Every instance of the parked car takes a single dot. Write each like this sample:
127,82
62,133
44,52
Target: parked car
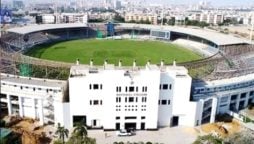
124,132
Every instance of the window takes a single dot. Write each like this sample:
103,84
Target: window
136,99
131,117
136,89
101,102
101,86
125,99
159,102
95,102
163,102
160,87
251,93
168,102
33,89
21,87
243,95
164,86
233,97
118,99
144,99
143,117
144,89
170,86
120,89
117,89
126,89
90,86
117,118
131,99
131,89
95,86
90,102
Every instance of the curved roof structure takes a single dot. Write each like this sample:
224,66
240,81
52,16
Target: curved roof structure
217,38
36,28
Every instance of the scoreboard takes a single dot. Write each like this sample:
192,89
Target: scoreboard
160,34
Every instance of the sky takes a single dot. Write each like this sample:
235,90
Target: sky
214,2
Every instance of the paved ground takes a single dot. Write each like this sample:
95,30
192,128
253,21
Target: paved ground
176,135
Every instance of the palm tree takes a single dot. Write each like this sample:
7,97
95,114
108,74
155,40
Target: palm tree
62,132
80,130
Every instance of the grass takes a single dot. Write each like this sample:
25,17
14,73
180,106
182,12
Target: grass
113,50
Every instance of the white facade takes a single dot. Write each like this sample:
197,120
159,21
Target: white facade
35,98
116,98
232,94
48,19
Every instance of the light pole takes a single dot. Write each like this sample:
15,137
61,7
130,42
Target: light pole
251,32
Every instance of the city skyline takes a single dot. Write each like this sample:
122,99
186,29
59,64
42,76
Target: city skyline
187,2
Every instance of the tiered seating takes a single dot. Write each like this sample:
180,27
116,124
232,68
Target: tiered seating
196,46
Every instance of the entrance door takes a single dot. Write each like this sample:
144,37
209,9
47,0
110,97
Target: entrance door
143,126
94,123
117,126
130,125
175,121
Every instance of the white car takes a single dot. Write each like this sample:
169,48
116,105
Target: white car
123,132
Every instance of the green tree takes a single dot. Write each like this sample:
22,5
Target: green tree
62,132
208,139
80,129
79,135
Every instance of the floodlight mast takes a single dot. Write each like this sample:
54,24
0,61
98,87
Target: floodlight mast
251,32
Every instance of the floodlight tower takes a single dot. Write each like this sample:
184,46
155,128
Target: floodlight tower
162,17
251,32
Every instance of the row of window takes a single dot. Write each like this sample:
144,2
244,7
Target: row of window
34,89
223,88
95,102
165,86
130,117
131,89
95,86
243,95
164,102
130,106
118,109
131,99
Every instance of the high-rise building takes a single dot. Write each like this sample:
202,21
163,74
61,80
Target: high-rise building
18,4
117,4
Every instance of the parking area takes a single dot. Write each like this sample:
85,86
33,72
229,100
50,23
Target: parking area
175,135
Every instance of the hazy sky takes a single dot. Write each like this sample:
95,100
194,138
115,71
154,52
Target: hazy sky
214,2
